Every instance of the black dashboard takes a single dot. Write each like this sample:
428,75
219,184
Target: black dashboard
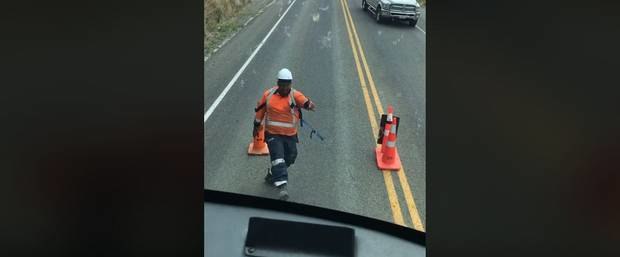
242,225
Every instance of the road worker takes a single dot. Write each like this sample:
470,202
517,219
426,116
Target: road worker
279,110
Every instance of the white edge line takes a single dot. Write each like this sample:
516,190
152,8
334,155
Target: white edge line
225,41
248,21
421,29
234,79
269,4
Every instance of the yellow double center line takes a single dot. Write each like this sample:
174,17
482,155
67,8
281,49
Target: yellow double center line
387,175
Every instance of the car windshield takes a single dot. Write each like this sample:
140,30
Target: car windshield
331,141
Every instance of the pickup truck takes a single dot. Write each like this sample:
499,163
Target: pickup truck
408,10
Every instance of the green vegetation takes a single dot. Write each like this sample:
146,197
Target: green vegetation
221,19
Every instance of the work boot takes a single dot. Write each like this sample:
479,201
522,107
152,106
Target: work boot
268,176
283,192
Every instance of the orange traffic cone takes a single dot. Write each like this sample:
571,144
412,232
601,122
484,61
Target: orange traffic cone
386,131
387,154
258,145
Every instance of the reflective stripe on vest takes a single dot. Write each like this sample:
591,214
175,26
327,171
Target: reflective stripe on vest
280,124
291,102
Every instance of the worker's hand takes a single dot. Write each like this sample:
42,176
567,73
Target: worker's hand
311,106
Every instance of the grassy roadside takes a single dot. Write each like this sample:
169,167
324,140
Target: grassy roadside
221,19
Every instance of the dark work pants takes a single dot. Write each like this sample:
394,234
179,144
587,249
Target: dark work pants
282,152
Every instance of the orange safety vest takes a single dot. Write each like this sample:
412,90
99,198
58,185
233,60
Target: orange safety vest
279,115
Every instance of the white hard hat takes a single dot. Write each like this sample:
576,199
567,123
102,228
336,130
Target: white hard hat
285,74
